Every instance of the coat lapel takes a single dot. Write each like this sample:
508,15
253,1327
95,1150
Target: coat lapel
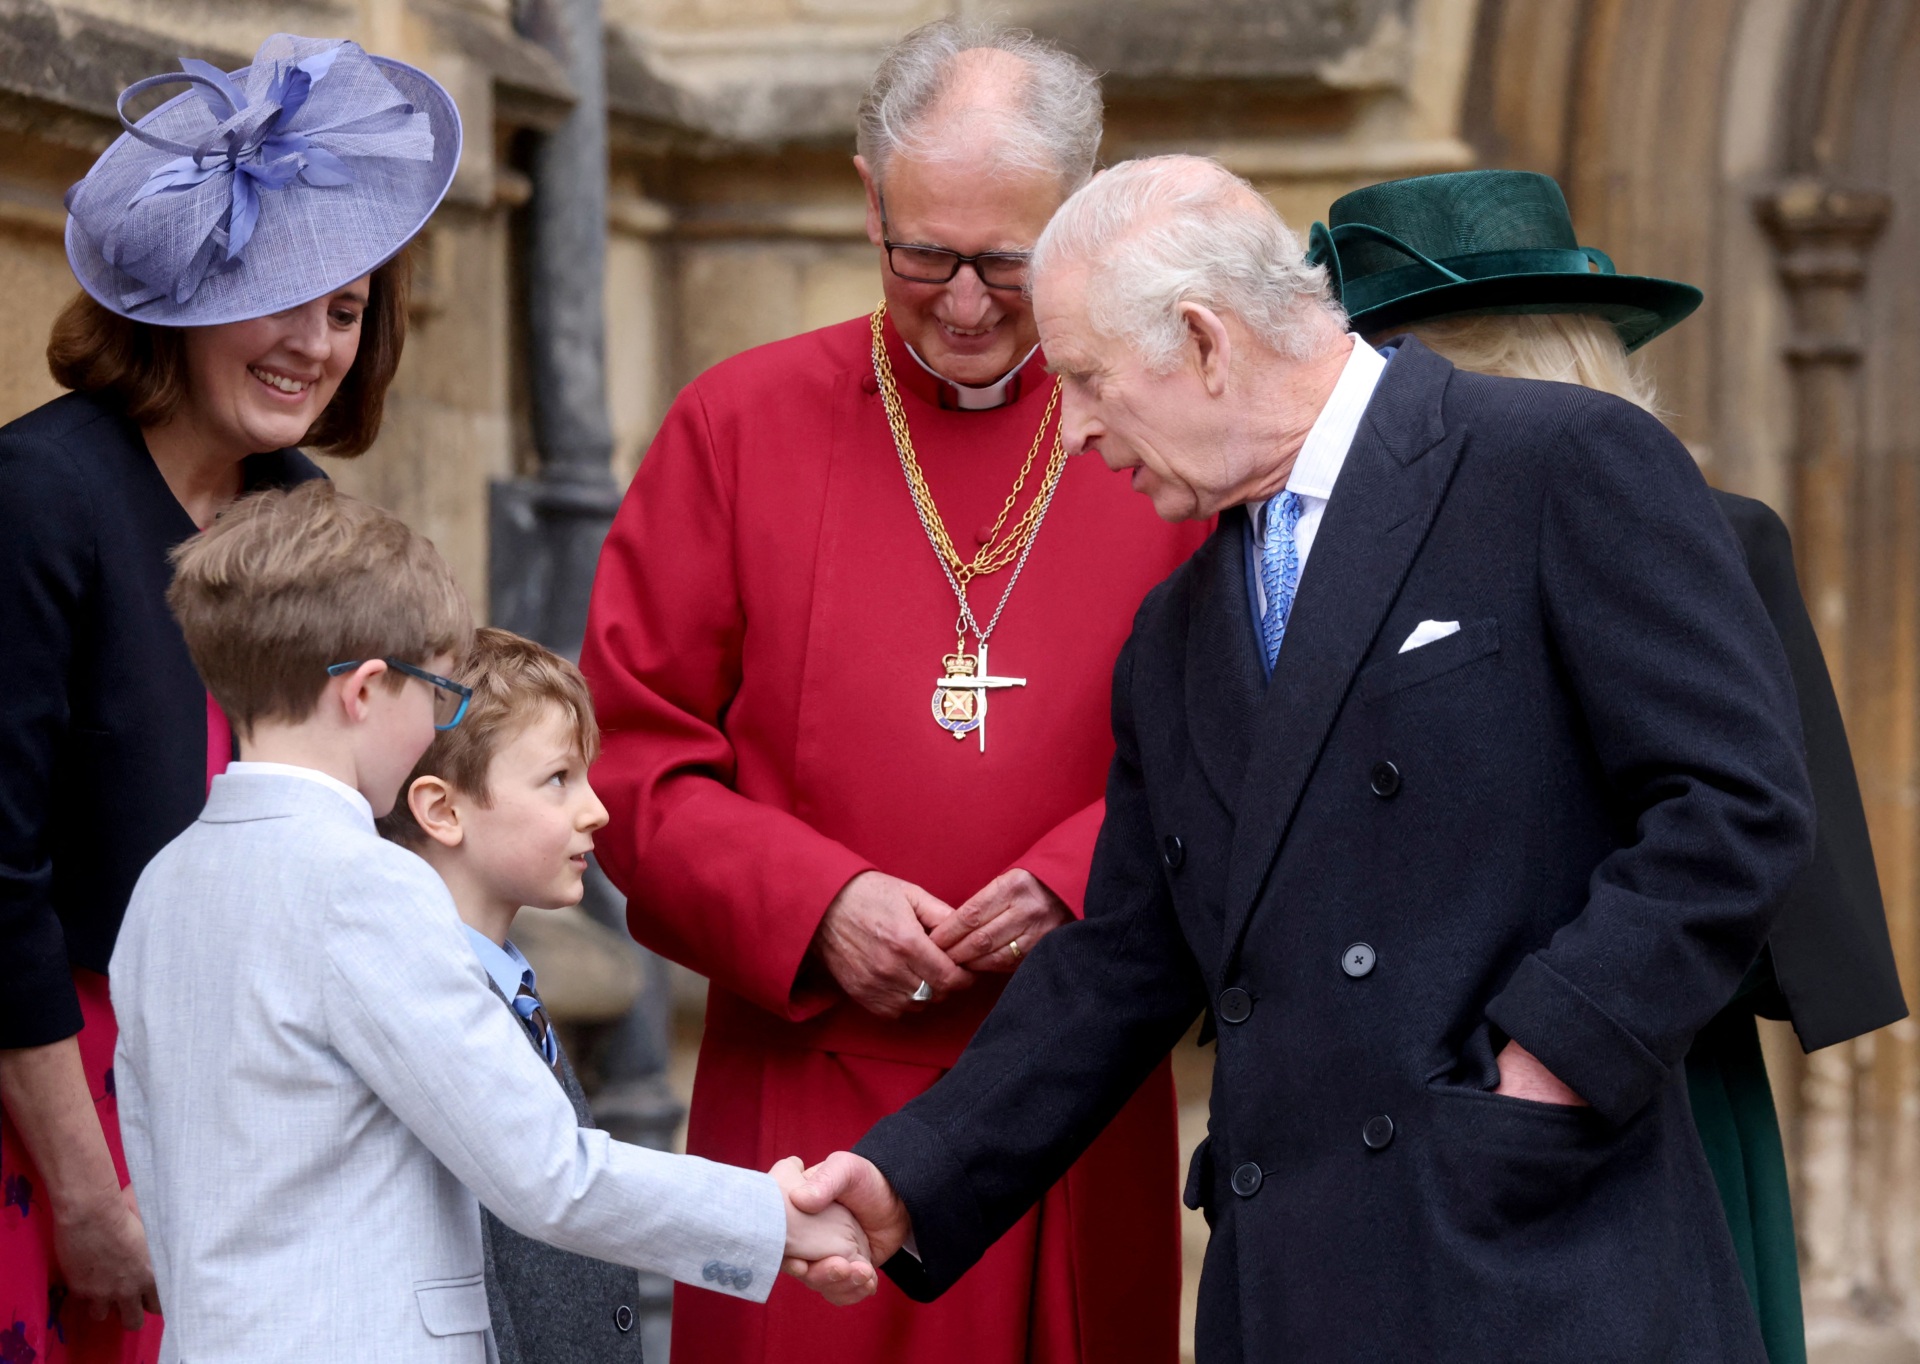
1222,667
1389,489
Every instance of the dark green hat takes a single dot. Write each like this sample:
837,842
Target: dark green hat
1479,242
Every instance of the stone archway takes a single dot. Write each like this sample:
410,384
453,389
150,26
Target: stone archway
1763,149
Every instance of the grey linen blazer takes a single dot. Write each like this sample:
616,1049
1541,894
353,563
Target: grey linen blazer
549,1305
318,1090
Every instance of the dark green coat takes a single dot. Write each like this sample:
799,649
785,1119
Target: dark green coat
1828,966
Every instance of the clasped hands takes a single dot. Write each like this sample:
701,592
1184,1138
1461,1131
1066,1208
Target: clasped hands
843,1219
881,937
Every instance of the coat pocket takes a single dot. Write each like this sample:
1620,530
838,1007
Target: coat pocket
1506,1163
452,1307
1470,643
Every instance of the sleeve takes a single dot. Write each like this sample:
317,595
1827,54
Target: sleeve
46,564
726,885
1832,956
1080,1026
1062,859
1687,701
407,1006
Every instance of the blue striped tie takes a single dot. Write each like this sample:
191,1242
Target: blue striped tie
526,1003
1279,570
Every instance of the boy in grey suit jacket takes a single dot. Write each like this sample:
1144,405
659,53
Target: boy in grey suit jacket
315,1080
501,808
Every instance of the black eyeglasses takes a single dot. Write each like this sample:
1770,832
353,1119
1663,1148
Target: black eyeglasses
450,698
938,265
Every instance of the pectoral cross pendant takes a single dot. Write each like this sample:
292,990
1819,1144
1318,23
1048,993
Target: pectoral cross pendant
960,698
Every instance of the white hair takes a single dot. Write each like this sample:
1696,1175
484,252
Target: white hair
1050,125
1167,230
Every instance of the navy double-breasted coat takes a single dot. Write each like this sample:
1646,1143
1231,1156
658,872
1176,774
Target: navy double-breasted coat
1568,824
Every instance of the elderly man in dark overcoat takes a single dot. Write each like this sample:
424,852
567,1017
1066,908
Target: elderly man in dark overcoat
1457,777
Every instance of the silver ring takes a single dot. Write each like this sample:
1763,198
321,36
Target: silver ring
922,994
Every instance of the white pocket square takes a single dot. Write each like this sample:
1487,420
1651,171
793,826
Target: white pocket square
1427,631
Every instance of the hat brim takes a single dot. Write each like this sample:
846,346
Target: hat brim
288,263
1639,307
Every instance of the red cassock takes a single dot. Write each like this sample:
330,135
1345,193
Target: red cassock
767,627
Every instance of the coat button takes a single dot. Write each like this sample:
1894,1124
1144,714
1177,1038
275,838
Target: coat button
1173,852
1357,960
869,383
1235,1005
1246,1180
623,1318
1385,780
1378,1133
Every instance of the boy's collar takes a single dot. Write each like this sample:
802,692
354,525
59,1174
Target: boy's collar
504,963
310,774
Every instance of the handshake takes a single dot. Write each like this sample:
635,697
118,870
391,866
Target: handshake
843,1221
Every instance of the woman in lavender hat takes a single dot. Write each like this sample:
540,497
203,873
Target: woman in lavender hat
244,291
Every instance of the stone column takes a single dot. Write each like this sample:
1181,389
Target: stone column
547,530
1823,235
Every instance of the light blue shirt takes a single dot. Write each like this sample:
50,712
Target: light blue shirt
503,962
509,971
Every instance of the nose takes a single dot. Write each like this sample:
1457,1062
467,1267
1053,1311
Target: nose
1079,427
968,300
306,333
593,815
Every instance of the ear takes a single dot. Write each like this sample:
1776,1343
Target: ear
356,689
431,801
872,187
1209,348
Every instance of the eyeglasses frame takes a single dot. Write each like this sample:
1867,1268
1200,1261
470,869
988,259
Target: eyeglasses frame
446,684
959,260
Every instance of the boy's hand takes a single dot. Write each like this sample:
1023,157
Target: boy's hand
827,1250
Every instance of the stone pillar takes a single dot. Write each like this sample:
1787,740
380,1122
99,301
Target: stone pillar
547,530
1823,235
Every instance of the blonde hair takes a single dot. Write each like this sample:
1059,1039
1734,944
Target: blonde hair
1569,348
286,583
514,681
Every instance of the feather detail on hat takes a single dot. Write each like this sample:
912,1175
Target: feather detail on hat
257,160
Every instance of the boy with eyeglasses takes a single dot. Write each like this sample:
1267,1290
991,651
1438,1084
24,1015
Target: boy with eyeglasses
315,1082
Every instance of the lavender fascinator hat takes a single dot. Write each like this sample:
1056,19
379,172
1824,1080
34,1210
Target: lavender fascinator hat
260,189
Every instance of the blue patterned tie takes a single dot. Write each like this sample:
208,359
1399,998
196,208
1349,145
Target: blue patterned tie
526,1003
1279,570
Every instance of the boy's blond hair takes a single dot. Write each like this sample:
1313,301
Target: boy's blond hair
514,680
287,583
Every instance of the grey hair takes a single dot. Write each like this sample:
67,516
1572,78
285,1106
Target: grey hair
1052,125
1168,230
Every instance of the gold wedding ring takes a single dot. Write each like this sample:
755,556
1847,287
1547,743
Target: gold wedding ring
922,994
1013,946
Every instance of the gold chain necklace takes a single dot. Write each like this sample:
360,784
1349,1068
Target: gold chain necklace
960,697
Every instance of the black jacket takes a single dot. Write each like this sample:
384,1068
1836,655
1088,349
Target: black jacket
103,721
1831,957
1568,824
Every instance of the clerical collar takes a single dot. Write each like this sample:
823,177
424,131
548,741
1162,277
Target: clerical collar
969,399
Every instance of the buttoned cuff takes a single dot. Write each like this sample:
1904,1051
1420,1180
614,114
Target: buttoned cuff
1583,1045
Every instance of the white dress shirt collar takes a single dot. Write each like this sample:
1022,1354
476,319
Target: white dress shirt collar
1324,452
968,399
312,774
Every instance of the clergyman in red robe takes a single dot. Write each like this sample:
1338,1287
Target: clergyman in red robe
829,795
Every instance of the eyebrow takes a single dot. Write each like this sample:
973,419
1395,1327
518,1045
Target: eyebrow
353,296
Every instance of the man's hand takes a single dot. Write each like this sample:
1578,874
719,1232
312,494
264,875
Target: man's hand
856,1184
873,941
1523,1077
102,1252
1013,907
826,1249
